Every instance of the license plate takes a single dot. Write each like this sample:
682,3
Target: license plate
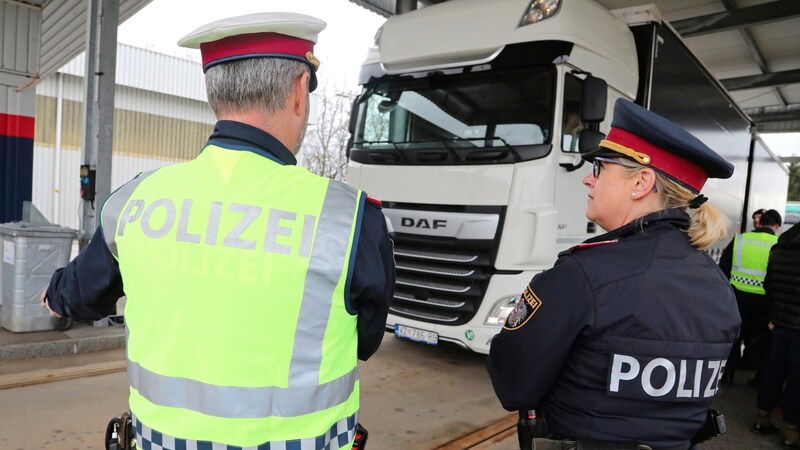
415,334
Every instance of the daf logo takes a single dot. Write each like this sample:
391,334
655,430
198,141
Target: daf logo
434,224
442,224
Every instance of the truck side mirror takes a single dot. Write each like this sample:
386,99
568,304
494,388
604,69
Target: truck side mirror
589,140
594,99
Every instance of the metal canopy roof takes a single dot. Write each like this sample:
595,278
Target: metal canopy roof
751,46
64,28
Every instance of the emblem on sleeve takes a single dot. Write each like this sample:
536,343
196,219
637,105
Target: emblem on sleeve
524,310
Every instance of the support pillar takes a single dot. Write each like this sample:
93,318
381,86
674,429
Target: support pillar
101,62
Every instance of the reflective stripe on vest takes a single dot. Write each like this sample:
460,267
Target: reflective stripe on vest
339,435
750,257
324,270
238,402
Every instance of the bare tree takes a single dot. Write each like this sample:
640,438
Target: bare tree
323,150
376,121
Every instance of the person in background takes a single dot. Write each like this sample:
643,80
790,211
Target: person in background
757,218
625,338
782,285
571,130
744,262
253,286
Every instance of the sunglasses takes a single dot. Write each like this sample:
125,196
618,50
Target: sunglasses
597,165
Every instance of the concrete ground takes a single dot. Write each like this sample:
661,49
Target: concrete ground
413,396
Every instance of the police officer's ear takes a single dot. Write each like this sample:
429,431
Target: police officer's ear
643,182
300,94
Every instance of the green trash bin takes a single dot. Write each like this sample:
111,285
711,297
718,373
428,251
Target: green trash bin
31,253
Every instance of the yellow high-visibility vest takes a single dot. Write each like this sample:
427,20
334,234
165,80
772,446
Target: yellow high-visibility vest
750,257
236,268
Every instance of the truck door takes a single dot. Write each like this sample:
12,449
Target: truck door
570,194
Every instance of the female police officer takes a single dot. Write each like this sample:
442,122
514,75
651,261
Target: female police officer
625,338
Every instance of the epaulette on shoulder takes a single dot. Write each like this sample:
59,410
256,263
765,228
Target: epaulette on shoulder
593,244
375,201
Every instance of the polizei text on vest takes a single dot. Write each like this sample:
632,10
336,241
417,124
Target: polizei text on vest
158,218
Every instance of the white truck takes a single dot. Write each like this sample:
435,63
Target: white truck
466,128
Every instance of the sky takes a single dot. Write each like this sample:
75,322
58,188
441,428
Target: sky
341,47
783,144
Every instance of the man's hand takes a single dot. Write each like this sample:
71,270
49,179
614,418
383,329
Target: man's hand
45,305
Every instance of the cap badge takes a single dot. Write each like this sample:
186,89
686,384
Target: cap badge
313,60
641,158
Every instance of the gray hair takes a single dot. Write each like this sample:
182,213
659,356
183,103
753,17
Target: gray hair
263,83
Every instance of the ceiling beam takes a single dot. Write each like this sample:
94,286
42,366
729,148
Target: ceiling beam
738,18
772,79
776,116
755,52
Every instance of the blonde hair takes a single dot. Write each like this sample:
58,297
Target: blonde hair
708,224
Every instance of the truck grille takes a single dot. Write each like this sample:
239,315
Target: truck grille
441,279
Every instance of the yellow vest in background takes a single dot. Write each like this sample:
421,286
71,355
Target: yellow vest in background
750,257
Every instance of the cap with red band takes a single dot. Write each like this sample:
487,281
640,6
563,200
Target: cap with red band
653,141
261,35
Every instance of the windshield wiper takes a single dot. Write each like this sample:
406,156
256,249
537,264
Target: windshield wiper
507,146
510,147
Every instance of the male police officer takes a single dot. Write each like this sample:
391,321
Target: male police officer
252,284
744,262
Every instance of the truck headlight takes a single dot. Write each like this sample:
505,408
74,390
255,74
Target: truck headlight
539,10
501,309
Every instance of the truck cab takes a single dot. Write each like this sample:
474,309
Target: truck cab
470,128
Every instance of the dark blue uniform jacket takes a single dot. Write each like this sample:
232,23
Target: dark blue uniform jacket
625,338
89,287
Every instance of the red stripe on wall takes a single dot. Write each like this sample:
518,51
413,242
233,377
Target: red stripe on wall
16,126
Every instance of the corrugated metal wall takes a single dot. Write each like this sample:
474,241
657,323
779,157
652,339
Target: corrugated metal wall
20,26
151,71
146,124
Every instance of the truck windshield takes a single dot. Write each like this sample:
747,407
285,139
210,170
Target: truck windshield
501,110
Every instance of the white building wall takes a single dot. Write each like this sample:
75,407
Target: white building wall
134,99
152,71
